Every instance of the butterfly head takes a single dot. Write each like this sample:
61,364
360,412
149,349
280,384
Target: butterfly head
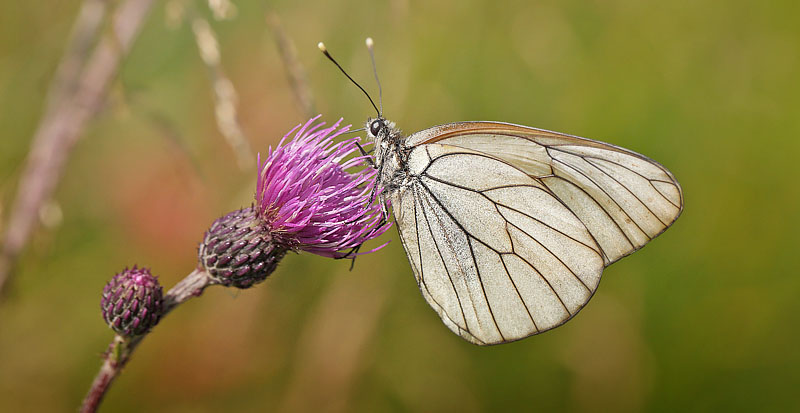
381,130
377,127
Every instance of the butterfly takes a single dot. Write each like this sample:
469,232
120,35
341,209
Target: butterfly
508,228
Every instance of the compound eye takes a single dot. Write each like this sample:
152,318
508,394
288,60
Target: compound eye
376,126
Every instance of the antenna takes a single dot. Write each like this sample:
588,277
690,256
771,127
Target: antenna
371,48
324,50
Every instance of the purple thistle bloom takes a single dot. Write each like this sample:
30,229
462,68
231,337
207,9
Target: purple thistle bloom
308,199
311,195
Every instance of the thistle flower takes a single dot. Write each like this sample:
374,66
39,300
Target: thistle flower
131,302
307,199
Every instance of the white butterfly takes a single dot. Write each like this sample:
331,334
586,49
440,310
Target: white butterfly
508,228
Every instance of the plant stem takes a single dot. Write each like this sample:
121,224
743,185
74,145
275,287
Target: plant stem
116,356
295,72
121,348
225,96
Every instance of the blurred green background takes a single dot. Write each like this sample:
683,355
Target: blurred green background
706,317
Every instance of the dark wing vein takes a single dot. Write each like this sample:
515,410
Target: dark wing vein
422,273
447,271
660,192
476,153
555,256
500,253
553,228
536,270
524,304
635,155
600,250
588,161
513,209
513,284
601,205
452,248
662,181
421,279
483,288
597,158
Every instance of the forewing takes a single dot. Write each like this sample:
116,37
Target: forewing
625,199
493,251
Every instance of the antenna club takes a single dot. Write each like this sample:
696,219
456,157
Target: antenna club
370,43
324,50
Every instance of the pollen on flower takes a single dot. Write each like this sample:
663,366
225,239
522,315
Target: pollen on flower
314,196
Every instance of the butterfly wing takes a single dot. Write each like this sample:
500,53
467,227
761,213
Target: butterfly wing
494,251
623,198
508,228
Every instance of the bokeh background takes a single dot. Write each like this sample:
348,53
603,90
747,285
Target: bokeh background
705,317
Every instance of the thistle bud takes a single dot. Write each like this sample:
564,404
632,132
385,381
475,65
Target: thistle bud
131,302
238,250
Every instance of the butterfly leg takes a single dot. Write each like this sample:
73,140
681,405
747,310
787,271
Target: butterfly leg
379,178
366,155
384,209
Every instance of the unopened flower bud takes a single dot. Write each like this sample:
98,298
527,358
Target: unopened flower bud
238,250
132,302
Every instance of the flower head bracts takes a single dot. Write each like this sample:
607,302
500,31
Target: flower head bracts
131,301
308,198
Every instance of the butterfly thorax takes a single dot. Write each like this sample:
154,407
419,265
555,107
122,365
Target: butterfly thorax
390,154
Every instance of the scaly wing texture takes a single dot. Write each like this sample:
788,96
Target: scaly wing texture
493,251
625,199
